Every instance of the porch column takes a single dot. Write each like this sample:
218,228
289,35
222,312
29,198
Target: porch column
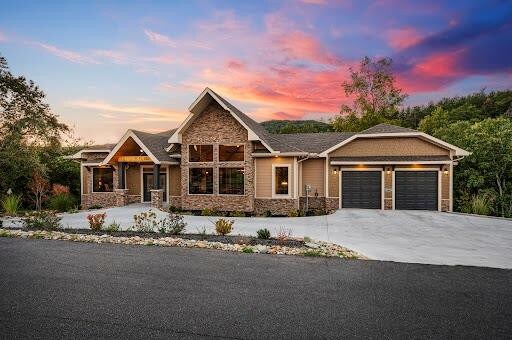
121,176
156,176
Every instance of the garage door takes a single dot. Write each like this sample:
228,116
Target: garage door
416,190
361,189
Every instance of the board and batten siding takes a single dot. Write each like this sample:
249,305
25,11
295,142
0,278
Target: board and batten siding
174,180
264,176
133,179
313,173
401,146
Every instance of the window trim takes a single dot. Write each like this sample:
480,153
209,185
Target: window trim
218,181
196,162
213,180
230,144
279,165
92,180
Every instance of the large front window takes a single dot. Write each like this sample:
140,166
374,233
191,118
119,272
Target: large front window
200,153
281,180
231,153
102,180
200,181
231,181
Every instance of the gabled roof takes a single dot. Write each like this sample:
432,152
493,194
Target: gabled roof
255,132
307,142
386,128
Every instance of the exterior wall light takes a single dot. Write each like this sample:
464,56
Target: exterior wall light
445,171
335,171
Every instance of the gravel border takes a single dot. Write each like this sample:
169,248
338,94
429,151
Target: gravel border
314,248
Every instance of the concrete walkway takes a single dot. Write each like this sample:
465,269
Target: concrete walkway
402,236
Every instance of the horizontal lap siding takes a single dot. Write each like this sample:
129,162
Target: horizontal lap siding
313,173
264,175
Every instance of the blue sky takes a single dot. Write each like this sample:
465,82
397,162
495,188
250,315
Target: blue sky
108,66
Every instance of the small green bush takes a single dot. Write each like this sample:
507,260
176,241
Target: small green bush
62,202
263,234
223,227
113,227
96,221
4,233
247,250
481,205
208,212
44,219
307,239
173,224
312,253
11,204
267,213
95,206
293,213
146,222
237,214
173,209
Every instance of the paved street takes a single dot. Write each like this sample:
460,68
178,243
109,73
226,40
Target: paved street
58,289
402,236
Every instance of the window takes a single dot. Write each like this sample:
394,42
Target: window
200,153
231,181
231,153
200,181
281,180
102,180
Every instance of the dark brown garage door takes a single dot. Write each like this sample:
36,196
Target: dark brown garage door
361,189
416,190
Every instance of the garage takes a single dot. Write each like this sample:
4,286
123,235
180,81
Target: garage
416,190
361,189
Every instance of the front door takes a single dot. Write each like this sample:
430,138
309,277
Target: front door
147,185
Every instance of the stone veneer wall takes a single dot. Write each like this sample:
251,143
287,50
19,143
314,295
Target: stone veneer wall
277,206
102,199
216,126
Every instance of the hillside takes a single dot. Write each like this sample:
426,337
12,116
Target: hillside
295,126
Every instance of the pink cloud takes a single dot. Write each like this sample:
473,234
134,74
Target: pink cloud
403,37
159,39
68,55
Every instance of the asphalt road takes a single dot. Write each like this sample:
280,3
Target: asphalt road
56,289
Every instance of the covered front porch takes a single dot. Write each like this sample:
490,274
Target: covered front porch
131,173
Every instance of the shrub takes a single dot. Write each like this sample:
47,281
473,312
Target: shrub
293,213
208,212
59,189
283,235
312,253
96,221
201,231
62,202
307,239
43,219
237,214
224,227
4,233
95,206
173,209
263,234
11,204
481,205
146,222
113,227
247,250
172,224
267,213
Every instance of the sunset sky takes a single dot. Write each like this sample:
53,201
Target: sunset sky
107,66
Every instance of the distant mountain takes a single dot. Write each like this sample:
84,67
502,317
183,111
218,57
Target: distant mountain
295,126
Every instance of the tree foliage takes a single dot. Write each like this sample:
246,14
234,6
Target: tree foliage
296,126
376,99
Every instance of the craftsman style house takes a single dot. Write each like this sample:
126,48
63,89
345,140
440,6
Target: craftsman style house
221,159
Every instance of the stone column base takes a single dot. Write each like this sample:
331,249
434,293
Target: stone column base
157,198
121,197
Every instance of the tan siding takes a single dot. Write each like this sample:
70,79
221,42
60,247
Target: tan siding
445,186
313,173
174,180
264,175
133,180
404,146
85,180
334,182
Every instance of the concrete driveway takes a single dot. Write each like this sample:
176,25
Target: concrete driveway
402,236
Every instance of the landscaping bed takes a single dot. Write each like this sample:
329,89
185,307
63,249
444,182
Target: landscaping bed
297,247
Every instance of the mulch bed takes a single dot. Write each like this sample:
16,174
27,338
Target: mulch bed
227,239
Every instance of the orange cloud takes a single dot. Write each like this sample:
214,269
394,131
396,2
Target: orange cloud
403,37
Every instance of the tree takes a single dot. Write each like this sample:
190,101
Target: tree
376,98
26,125
489,167
39,187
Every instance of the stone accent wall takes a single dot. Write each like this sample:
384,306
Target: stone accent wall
332,204
445,205
277,206
388,188
175,201
314,203
132,199
102,199
121,197
157,198
216,126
